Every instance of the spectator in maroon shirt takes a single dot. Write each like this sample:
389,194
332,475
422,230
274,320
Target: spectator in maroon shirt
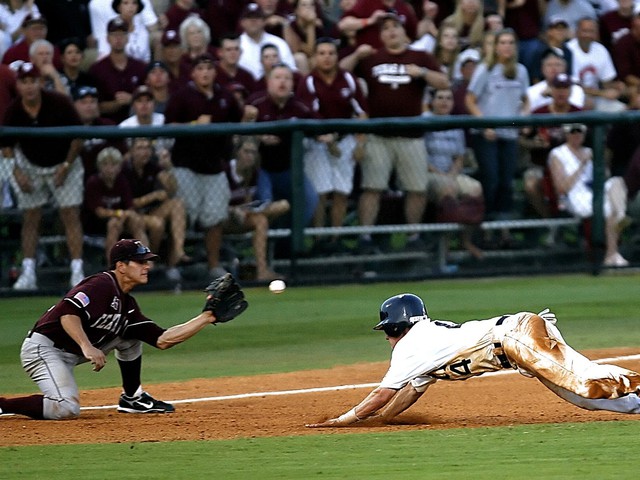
275,20
270,56
396,78
171,55
301,32
108,202
45,171
228,69
329,160
85,101
279,103
614,24
178,12
154,198
223,16
34,27
117,75
525,18
7,88
199,165
626,55
365,16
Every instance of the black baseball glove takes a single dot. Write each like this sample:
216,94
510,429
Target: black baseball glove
225,298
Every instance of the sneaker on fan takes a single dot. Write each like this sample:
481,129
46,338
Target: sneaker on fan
26,281
143,403
76,277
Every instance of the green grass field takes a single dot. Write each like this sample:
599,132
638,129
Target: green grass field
320,327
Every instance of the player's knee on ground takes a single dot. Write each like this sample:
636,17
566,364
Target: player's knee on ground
61,409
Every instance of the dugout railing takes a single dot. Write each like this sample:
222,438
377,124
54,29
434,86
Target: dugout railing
298,234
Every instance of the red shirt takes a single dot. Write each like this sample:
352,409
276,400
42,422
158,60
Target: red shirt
371,34
56,110
524,20
392,92
204,154
277,158
7,88
342,98
105,311
110,80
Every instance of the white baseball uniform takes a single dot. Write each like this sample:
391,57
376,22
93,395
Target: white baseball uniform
530,343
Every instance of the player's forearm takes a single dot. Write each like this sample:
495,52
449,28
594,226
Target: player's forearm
377,399
400,402
72,325
179,333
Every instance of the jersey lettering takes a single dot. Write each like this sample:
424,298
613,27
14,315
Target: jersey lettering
456,371
446,324
109,322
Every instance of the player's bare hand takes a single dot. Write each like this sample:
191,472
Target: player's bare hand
96,356
332,422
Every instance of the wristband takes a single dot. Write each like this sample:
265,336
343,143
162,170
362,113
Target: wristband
349,417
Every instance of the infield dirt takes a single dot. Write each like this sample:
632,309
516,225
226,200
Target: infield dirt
486,401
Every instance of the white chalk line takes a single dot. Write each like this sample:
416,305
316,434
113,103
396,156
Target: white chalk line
330,389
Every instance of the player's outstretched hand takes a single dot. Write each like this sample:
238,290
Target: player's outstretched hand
332,422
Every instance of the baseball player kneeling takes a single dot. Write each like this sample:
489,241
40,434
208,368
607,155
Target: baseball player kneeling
97,316
426,350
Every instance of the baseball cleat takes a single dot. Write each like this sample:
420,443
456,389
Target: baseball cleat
144,403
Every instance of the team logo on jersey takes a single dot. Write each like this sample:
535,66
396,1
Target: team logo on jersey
115,303
345,92
83,298
392,74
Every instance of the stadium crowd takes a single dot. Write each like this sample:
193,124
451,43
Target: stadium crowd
155,62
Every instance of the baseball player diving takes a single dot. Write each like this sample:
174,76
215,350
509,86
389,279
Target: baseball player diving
97,316
426,350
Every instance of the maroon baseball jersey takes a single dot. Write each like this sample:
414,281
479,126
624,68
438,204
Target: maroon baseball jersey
106,312
207,153
56,110
626,56
110,80
371,34
342,98
98,194
393,92
277,158
242,76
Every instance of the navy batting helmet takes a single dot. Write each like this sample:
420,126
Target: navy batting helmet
400,312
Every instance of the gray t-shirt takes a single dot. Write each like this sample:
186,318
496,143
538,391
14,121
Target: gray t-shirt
499,96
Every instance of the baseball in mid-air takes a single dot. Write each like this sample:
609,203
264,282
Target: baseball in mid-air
277,286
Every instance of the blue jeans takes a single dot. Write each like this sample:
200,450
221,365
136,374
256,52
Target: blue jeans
497,162
277,186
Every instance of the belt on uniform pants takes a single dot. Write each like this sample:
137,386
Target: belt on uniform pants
43,340
498,350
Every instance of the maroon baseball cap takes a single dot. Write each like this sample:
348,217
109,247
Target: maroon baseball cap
170,37
130,249
392,14
32,19
117,24
27,69
204,58
252,10
561,80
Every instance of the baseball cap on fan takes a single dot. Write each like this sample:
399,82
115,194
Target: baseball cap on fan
33,19
170,37
117,24
27,69
558,21
252,10
561,80
391,14
130,249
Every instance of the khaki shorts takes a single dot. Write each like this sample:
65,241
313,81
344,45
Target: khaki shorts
327,172
206,197
69,194
407,156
